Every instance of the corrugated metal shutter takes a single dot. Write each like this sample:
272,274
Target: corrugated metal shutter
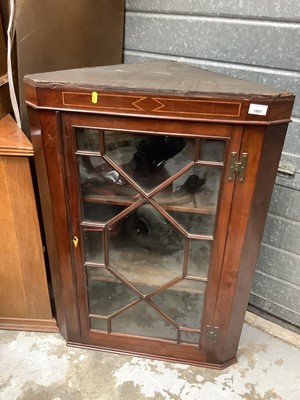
258,41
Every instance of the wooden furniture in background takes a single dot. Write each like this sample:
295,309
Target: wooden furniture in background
5,106
24,295
46,32
155,180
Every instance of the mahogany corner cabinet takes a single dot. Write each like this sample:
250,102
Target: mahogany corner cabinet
155,180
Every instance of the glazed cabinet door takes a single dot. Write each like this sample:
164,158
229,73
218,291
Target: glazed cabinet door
149,204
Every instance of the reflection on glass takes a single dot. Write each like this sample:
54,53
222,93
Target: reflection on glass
105,298
99,324
190,337
148,250
87,139
95,212
93,245
183,302
183,190
148,160
212,150
199,256
100,183
196,190
120,146
101,274
143,320
197,224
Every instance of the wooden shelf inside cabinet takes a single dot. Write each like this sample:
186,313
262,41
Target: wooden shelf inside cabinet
157,267
157,178
193,206
151,288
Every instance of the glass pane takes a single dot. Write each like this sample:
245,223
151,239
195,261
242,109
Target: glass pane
181,159
183,302
198,224
99,324
101,274
93,245
120,146
190,337
197,190
212,150
95,212
144,248
148,159
143,320
87,139
149,250
100,183
199,257
105,298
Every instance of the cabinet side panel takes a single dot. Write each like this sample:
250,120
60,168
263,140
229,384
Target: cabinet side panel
54,158
29,243
46,206
270,157
24,296
241,204
222,218
12,294
250,205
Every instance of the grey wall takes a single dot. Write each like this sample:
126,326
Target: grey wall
258,40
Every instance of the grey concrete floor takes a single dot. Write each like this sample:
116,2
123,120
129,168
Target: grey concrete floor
39,366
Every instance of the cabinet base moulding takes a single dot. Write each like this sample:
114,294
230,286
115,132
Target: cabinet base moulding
200,363
37,325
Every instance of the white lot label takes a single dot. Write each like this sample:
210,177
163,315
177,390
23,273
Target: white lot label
258,109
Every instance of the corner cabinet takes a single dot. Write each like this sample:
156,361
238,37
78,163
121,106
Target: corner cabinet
155,180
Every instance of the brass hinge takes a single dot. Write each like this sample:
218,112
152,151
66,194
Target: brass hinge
237,167
211,333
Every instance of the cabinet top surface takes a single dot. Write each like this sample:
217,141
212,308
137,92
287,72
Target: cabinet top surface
158,76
